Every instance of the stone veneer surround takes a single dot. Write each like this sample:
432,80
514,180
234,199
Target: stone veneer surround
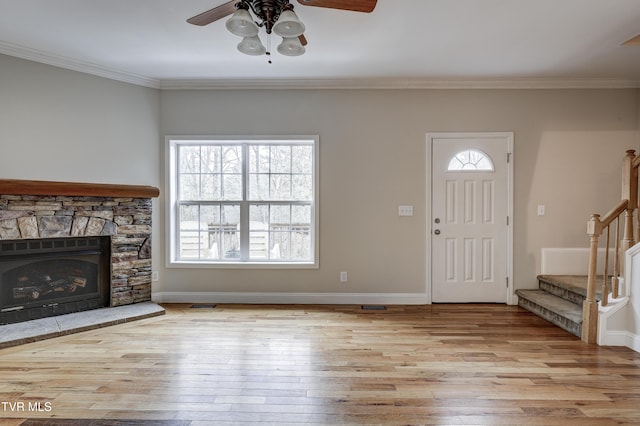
34,209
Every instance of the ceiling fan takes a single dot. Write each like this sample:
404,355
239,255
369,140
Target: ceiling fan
275,16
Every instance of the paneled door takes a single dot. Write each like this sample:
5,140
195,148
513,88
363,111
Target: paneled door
470,248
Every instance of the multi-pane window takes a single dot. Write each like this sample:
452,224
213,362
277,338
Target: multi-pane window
238,201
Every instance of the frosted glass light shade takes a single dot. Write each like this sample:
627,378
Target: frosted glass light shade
252,46
241,24
291,46
288,25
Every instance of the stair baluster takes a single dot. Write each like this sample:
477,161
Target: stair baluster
616,264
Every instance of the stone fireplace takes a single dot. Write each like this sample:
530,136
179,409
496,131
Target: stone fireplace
39,221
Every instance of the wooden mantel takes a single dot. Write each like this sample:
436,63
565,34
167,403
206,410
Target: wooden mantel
74,189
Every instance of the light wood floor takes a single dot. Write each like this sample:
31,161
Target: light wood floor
438,364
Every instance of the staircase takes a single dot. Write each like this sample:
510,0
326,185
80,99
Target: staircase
573,302
558,299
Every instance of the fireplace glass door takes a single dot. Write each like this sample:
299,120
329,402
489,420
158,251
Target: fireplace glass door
43,278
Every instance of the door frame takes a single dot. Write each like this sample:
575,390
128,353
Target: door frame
508,136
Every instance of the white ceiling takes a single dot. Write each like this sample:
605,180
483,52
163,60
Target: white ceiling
403,43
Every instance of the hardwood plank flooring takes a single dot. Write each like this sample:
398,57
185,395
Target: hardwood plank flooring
240,364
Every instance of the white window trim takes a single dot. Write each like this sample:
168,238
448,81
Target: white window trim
171,141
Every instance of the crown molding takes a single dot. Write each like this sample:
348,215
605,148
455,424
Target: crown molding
40,56
327,84
387,83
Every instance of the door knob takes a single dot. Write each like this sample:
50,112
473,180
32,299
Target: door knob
437,232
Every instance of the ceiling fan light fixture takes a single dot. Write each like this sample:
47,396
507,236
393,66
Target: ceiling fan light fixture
241,24
276,16
291,46
288,25
252,46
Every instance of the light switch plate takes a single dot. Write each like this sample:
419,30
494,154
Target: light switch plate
405,210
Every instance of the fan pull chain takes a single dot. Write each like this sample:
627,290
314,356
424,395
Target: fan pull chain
268,53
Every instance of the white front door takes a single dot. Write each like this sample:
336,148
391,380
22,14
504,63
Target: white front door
470,248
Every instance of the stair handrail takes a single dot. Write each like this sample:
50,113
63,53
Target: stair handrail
595,227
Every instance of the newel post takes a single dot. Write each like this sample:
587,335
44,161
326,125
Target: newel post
590,305
629,192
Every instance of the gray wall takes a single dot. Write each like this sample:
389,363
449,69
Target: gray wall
568,149
66,126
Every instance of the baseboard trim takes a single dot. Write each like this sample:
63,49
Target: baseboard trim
622,338
632,341
293,298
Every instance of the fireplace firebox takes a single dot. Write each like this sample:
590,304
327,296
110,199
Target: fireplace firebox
48,277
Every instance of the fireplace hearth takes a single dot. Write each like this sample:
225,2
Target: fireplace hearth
49,277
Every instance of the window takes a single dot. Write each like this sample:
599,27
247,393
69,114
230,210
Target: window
244,201
470,160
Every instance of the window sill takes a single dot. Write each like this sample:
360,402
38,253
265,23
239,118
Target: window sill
241,265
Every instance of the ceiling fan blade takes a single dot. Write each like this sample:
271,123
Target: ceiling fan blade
633,41
205,18
366,6
303,40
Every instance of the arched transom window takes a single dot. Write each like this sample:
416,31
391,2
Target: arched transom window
470,160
